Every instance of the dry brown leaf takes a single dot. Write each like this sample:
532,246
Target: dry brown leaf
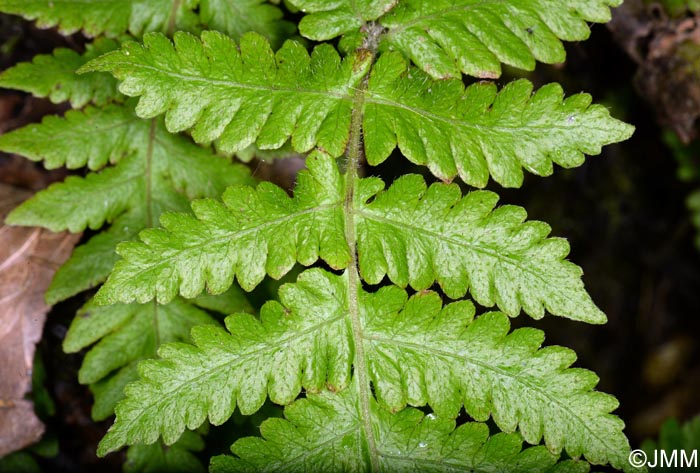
28,259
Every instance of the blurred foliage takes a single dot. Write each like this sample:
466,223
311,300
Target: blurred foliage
688,158
19,462
675,437
676,7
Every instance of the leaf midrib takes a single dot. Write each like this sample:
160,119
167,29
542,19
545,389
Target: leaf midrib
494,253
232,235
231,84
425,114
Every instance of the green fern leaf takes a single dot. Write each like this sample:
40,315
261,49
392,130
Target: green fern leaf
112,17
425,355
475,132
254,232
257,97
91,262
479,132
154,171
53,76
124,335
233,301
94,138
325,432
110,390
414,235
444,37
418,235
325,20
79,202
415,352
235,18
157,458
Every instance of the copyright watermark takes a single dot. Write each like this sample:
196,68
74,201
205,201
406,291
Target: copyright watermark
637,458
663,458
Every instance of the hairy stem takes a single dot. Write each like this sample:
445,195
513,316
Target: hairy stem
354,157
148,174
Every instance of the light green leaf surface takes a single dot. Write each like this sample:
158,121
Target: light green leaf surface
53,76
479,131
241,94
154,171
110,390
415,351
94,138
237,17
252,233
444,37
414,235
324,20
80,202
324,432
111,17
418,235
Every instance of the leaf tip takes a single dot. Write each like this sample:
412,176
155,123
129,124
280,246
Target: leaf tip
109,443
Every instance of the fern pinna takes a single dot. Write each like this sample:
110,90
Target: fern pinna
373,378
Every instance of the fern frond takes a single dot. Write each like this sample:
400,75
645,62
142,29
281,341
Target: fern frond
324,432
157,458
235,18
110,17
472,133
416,236
425,355
444,37
478,131
94,138
253,232
325,20
416,352
53,76
112,337
91,262
154,171
152,166
80,202
361,359
124,335
243,94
